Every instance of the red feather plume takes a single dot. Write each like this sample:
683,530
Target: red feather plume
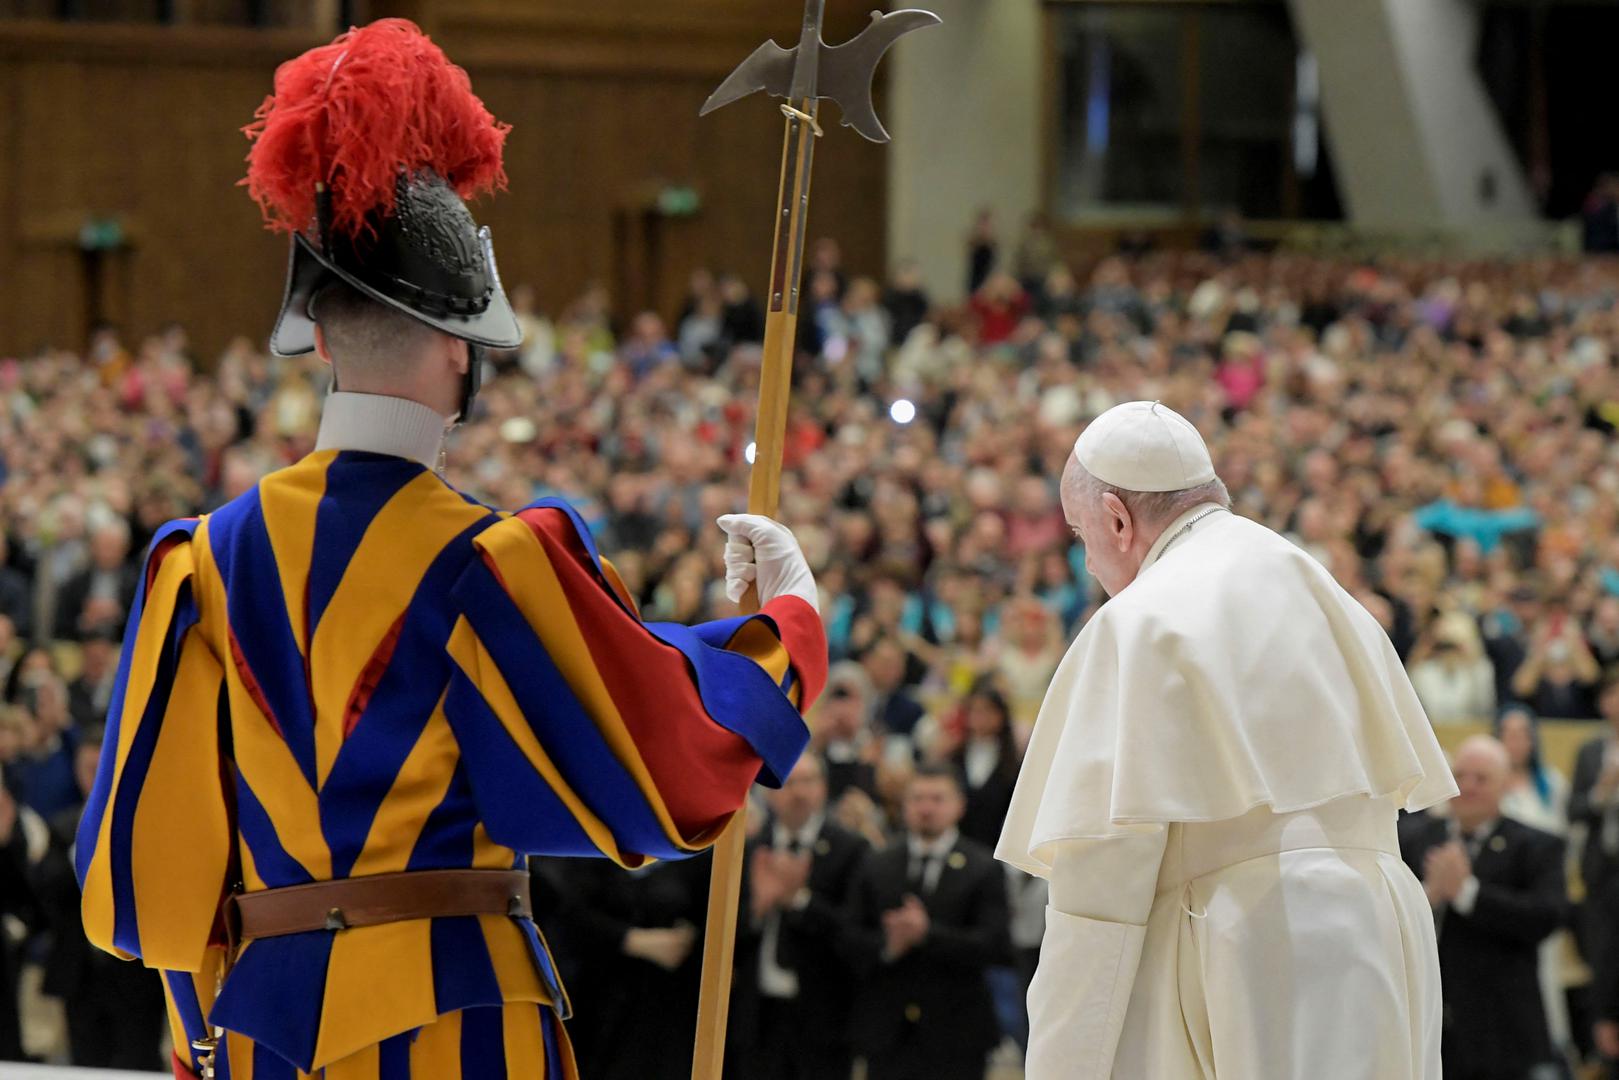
379,100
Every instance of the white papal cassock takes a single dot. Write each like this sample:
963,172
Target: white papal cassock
1212,787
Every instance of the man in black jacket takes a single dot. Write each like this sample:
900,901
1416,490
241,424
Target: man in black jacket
1497,888
114,1009
16,592
1593,800
930,917
790,1015
630,950
16,899
102,592
89,695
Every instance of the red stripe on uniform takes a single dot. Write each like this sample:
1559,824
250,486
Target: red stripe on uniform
370,676
701,770
250,684
155,562
804,636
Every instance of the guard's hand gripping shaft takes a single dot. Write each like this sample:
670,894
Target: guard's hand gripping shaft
765,553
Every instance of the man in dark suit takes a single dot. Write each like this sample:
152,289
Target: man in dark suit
102,592
1593,800
16,592
1497,888
930,917
630,948
89,695
987,761
790,1015
16,899
114,1009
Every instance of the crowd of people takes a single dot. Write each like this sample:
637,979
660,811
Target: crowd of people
1438,433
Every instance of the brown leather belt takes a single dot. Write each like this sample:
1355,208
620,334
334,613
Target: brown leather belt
372,901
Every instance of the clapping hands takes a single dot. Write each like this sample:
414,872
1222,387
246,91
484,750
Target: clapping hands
905,927
1445,869
775,877
666,947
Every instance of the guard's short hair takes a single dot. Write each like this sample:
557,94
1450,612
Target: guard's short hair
935,770
363,333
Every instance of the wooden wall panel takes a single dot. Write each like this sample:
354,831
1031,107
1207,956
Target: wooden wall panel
139,123
603,100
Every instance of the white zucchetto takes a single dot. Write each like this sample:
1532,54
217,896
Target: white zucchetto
1145,446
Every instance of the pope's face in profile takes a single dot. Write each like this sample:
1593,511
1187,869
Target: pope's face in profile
1103,525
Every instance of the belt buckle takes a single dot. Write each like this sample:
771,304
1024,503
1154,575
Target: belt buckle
335,920
206,1048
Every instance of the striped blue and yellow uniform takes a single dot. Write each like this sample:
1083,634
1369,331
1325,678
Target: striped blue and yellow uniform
353,670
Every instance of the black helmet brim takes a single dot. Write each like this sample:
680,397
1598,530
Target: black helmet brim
308,271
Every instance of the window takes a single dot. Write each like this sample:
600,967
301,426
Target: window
1185,110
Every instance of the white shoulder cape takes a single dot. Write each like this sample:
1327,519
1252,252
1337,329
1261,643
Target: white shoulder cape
1233,673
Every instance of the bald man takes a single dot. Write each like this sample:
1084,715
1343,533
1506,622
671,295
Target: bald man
1497,888
1212,790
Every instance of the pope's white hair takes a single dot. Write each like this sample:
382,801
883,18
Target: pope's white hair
1147,508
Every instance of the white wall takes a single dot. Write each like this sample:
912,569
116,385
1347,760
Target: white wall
964,109
1411,128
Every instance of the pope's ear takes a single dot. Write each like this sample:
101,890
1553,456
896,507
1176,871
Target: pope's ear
1119,524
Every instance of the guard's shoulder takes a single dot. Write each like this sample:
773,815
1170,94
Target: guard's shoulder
227,516
178,529
555,523
169,537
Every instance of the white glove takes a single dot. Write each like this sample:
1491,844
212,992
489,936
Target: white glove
760,550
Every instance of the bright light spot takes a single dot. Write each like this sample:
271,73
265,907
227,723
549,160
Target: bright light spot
902,411
519,429
753,448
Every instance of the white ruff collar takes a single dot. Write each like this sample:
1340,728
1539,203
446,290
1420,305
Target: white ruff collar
379,424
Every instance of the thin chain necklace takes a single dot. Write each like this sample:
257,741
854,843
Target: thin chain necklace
444,450
1184,529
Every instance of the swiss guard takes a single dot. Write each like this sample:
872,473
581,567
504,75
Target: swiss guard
353,700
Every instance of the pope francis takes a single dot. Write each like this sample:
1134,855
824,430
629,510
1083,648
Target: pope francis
1212,790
